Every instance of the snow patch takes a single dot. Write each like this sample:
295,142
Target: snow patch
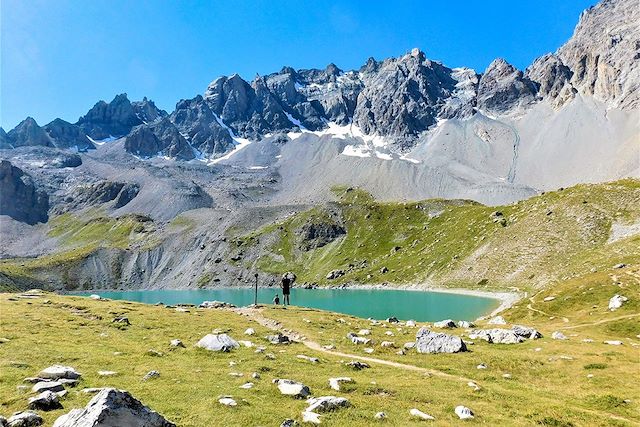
257,167
295,121
102,141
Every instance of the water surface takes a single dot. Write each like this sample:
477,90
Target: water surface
376,303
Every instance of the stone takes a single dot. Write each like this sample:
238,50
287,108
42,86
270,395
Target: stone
392,320
121,319
527,332
613,342
463,412
220,342
419,414
465,324
334,383
255,376
616,302
409,324
249,331
154,353
368,350
215,304
557,335
177,343
54,386
498,320
288,423
327,404
247,386
113,408
358,340
409,345
547,299
107,373
292,388
473,385
278,339
364,332
308,358
45,401
24,419
433,342
310,417
334,274
387,344
448,323
245,343
481,366
57,372
227,401
92,390
380,416
150,375
357,365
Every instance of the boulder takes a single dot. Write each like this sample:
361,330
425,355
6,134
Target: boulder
616,302
357,340
45,401
335,274
292,388
432,342
24,419
150,375
227,401
465,324
278,339
497,336
219,342
419,414
448,323
463,412
250,331
310,417
327,404
177,343
527,332
113,408
53,386
358,366
288,423
498,320
380,416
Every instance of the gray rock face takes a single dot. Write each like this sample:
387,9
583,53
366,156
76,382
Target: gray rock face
503,88
221,342
448,323
120,193
327,404
603,53
4,140
28,133
314,235
551,75
147,111
433,342
292,388
113,408
205,131
21,200
516,334
117,118
159,138
403,97
66,135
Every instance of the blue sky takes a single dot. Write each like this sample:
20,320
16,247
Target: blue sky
58,57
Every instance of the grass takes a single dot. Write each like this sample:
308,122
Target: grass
460,243
548,384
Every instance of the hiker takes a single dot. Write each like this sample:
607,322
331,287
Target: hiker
287,281
276,300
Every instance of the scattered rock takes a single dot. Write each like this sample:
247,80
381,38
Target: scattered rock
121,319
278,339
310,417
380,416
150,375
433,342
368,350
498,320
154,353
547,299
53,386
419,414
57,372
227,401
557,335
107,373
463,412
410,324
527,332
448,323
364,332
616,302
335,274
409,345
327,404
392,320
358,340
465,324
250,331
387,344
220,342
481,366
620,265
45,401
247,386
613,342
92,390
292,388
308,358
334,383
473,385
177,343
357,365
288,423
216,304
112,408
24,419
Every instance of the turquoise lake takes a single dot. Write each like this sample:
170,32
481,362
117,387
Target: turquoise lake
375,303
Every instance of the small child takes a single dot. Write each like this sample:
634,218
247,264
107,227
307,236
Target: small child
276,300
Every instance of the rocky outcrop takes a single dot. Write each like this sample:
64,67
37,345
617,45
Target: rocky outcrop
604,53
118,117
113,408
98,193
551,75
220,342
4,140
28,133
147,111
19,197
160,138
503,88
66,135
317,234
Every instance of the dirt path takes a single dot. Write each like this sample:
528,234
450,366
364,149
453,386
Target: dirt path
600,322
276,326
530,307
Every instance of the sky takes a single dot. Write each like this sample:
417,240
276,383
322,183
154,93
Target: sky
59,57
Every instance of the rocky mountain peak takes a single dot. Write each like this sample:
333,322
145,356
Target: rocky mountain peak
113,119
29,133
67,135
503,88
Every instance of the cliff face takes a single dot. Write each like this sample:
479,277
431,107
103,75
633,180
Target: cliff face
19,198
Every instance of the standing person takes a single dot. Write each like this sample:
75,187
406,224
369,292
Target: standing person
287,281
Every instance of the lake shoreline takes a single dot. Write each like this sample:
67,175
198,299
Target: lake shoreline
505,299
